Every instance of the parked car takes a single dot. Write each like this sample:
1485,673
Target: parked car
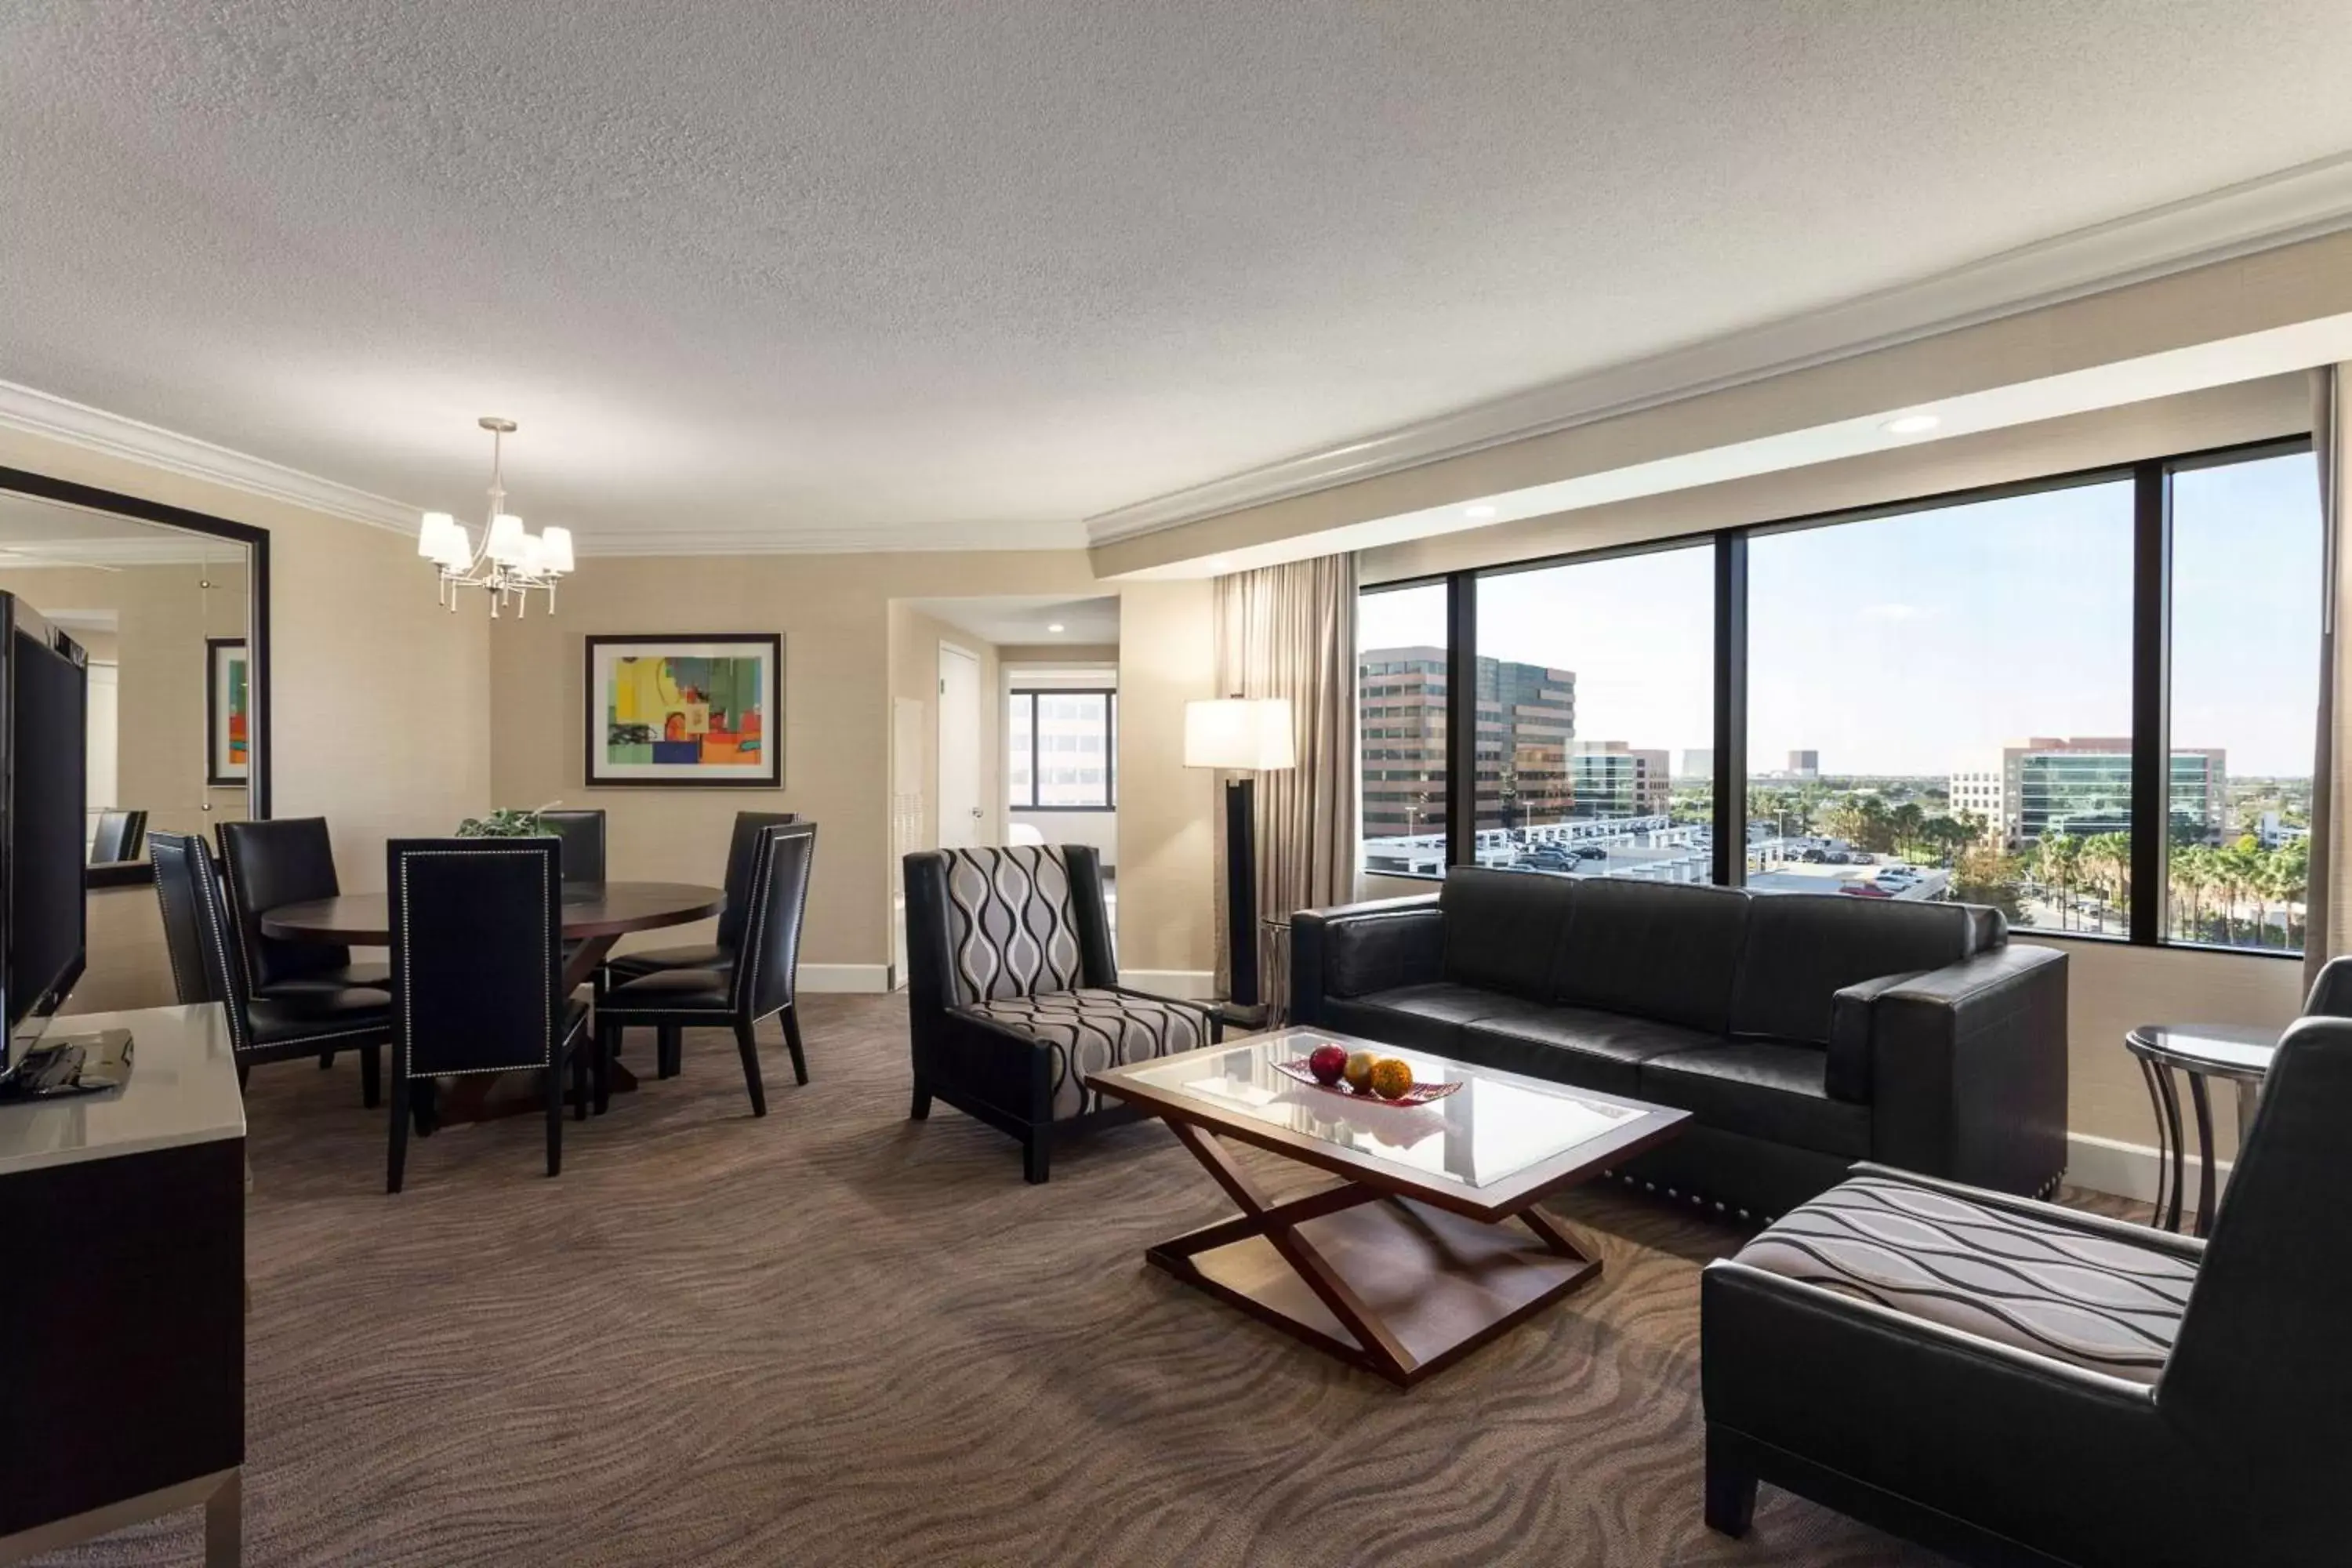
1813,857
1862,858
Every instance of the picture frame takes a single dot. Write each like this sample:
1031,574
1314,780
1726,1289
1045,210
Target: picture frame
228,713
690,711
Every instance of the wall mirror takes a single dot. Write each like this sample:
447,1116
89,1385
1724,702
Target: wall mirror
168,604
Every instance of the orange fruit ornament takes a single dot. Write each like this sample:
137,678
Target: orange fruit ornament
1391,1080
1358,1070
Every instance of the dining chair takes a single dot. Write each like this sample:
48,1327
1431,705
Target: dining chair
582,835
286,861
197,932
760,986
478,977
120,836
719,954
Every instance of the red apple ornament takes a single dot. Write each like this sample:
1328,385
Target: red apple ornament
1328,1063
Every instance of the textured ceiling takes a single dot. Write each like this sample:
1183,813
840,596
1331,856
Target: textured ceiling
846,270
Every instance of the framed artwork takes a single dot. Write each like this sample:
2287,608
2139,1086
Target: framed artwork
228,713
685,711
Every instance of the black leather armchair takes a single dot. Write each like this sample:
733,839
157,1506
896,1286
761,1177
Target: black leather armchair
762,984
2009,1382
1803,1032
1012,994
477,978
198,934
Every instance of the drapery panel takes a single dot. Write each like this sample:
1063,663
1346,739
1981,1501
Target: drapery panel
1290,631
2329,890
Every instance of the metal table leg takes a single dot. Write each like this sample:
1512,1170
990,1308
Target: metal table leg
2203,1105
2170,1177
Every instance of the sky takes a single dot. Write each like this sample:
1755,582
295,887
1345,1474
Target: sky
1921,644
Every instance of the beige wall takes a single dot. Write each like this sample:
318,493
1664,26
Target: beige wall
1167,656
163,614
914,640
837,618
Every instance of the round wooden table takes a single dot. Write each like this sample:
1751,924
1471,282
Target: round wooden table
596,916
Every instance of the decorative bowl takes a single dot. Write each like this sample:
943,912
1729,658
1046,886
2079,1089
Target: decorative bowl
1419,1094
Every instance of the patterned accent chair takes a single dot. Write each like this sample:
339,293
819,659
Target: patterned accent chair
2012,1382
1013,996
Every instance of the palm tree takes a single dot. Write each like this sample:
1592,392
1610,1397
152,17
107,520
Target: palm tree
2292,861
2057,855
2109,855
2191,867
1906,821
2230,880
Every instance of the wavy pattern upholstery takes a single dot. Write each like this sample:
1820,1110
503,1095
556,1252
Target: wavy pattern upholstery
2083,1299
1012,931
1089,1030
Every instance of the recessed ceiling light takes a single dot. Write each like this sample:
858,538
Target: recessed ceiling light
1054,626
1911,425
1482,510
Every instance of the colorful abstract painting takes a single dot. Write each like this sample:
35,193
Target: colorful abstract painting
228,712
685,711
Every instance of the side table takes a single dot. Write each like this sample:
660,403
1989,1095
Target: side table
2198,1052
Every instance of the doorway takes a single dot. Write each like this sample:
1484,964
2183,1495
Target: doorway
961,811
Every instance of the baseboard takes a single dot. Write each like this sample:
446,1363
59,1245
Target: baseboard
1188,982
865,977
2125,1169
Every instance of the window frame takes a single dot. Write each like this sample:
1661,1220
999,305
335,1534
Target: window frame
1111,744
2150,663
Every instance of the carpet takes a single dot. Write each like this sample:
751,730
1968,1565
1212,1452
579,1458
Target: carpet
836,1336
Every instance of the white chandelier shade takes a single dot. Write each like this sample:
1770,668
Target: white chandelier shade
509,561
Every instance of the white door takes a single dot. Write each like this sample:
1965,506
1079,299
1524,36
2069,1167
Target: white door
960,809
100,742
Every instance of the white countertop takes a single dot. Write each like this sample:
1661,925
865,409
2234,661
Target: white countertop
181,1089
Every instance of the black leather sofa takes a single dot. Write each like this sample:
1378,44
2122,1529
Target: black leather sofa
1803,1032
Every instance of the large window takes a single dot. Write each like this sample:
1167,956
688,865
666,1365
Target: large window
1940,705
1058,749
2089,702
1596,717
1401,639
2244,700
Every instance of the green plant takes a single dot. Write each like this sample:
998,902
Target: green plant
507,822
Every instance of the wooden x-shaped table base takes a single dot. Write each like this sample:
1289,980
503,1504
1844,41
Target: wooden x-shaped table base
1394,1286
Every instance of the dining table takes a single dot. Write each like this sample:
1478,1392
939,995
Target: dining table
595,915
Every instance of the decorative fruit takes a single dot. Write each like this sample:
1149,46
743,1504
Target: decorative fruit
1391,1080
1358,1070
1328,1063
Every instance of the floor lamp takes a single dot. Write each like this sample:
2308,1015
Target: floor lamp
1244,736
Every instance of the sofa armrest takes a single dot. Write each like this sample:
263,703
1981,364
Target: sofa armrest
1850,1015
1967,1071
1353,949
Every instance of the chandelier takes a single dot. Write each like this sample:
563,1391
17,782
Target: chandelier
508,563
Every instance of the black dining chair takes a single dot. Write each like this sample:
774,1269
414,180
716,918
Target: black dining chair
478,977
582,835
760,985
120,835
719,954
286,860
204,968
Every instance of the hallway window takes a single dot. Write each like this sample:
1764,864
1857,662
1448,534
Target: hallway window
1060,751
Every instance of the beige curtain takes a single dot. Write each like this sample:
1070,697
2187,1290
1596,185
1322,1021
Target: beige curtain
2329,891
1290,631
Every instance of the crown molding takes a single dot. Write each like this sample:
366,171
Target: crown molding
890,538
37,412
2298,203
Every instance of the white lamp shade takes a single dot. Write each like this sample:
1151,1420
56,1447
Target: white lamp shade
534,553
1240,732
432,532
457,550
506,545
557,544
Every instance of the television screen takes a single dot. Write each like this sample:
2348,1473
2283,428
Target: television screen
44,774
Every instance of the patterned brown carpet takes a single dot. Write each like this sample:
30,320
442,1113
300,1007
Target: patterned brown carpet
838,1337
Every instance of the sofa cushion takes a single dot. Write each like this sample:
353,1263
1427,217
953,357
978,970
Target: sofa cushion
2034,1284
1427,1017
1663,950
1763,1089
1802,949
1502,929
1571,1044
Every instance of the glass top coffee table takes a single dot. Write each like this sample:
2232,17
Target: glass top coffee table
1406,1265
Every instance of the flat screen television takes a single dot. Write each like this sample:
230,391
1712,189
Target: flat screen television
44,763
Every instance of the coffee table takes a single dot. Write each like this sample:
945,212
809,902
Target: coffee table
1407,1265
